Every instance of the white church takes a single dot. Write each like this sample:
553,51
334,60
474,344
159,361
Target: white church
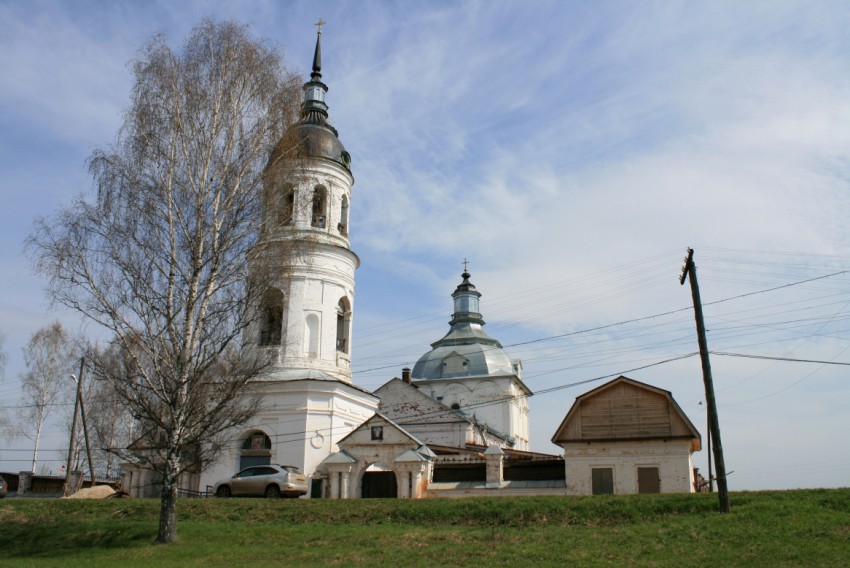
456,424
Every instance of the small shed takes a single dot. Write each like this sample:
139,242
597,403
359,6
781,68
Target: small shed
627,437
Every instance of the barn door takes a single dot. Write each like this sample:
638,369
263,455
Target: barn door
603,480
648,480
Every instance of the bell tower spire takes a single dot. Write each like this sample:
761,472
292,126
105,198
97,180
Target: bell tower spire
317,54
314,109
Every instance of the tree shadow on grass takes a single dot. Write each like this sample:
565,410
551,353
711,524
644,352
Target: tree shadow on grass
67,539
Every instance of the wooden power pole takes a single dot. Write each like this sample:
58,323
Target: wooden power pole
67,489
689,272
85,426
79,408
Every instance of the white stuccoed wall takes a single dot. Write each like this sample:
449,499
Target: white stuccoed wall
510,416
672,458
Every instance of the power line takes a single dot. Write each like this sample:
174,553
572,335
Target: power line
769,358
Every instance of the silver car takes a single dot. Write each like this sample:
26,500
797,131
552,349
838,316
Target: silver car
264,481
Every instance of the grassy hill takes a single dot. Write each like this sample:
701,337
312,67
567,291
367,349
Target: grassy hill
771,528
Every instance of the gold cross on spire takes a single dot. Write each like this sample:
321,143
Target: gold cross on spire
319,25
465,265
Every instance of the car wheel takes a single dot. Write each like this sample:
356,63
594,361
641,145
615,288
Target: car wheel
223,491
272,491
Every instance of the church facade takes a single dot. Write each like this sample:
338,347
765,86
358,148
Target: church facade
464,391
456,424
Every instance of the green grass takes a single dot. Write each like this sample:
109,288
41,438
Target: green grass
771,528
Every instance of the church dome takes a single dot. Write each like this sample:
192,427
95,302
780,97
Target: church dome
465,360
312,141
312,136
466,350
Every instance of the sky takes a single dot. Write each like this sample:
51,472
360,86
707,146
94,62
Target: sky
571,151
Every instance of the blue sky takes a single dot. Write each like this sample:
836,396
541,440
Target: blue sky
570,150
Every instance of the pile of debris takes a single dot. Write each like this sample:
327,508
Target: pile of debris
97,492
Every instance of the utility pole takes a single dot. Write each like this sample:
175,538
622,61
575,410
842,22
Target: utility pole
708,429
690,271
83,416
67,490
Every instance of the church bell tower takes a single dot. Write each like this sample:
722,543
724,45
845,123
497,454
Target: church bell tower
305,316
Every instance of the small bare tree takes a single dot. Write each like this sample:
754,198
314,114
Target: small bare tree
49,356
2,355
5,419
160,257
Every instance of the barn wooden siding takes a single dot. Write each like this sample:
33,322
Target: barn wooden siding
625,411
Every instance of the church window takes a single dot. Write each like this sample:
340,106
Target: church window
271,318
319,216
343,325
377,432
256,451
257,441
287,205
343,217
311,336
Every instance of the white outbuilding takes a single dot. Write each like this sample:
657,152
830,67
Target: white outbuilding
627,437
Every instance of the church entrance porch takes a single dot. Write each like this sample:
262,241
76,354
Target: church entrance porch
379,484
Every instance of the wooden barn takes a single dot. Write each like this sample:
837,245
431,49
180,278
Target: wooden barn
627,437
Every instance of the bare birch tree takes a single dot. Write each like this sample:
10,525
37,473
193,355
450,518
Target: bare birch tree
49,356
5,417
159,256
2,355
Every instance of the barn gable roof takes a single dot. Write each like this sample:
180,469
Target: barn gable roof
624,409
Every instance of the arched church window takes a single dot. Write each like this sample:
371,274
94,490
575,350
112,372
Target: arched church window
256,450
343,217
343,325
287,205
320,205
271,318
257,441
311,336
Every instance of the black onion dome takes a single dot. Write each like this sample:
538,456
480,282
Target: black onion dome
312,136
307,140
